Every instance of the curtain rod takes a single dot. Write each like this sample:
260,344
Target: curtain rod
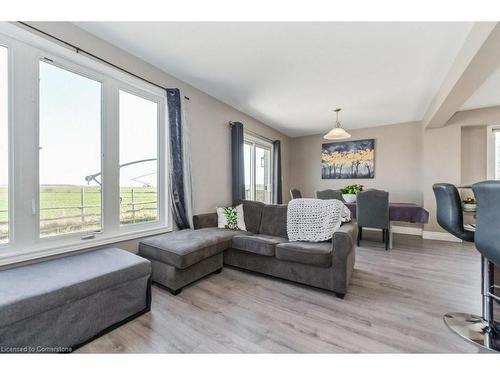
80,50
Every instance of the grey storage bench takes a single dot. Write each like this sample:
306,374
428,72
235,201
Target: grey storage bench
182,257
59,305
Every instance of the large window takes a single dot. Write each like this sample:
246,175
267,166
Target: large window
70,150
138,159
257,158
85,164
4,146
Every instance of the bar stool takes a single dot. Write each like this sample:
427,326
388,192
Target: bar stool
487,242
481,330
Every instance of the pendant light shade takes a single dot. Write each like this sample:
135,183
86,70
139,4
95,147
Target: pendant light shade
338,132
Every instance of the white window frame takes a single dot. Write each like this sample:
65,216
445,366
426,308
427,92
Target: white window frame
490,150
81,71
161,155
10,161
254,140
25,53
252,175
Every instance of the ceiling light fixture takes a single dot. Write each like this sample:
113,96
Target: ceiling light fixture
338,132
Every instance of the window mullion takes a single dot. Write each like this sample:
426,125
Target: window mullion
111,159
163,211
24,150
254,166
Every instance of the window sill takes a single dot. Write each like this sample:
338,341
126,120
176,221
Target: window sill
12,256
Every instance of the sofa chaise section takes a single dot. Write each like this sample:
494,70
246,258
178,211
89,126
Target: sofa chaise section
60,304
181,257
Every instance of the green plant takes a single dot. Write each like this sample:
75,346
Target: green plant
352,189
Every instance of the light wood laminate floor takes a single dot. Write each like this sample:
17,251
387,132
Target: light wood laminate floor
395,304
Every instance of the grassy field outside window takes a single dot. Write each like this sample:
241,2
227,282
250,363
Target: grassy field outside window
63,212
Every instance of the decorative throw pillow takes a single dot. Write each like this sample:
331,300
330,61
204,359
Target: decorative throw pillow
231,218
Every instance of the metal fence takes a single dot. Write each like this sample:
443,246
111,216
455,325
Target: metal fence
130,212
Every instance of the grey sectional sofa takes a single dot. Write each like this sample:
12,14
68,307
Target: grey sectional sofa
326,265
182,257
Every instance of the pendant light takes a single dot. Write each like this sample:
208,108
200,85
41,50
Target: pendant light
338,131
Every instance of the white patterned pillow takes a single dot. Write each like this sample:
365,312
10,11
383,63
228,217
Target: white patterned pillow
231,218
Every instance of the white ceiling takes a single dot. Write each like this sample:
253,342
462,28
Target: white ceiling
292,75
487,95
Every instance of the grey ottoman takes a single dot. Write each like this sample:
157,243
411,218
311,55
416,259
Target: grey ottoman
59,305
182,257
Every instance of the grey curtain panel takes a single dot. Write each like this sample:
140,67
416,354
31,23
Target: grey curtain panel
179,171
238,162
277,185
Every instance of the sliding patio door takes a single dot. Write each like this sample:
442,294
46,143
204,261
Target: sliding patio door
258,163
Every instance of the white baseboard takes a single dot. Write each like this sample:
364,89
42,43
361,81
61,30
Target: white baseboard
441,236
402,230
425,234
407,230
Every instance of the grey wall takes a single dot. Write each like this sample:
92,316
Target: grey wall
398,166
473,154
474,161
442,163
408,159
444,150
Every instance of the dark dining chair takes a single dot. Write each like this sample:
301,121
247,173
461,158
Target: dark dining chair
329,194
481,330
295,193
372,211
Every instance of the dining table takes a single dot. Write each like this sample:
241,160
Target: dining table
406,212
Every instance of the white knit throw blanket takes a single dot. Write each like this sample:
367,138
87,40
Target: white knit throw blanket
315,220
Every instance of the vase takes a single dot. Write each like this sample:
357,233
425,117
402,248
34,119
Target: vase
349,198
